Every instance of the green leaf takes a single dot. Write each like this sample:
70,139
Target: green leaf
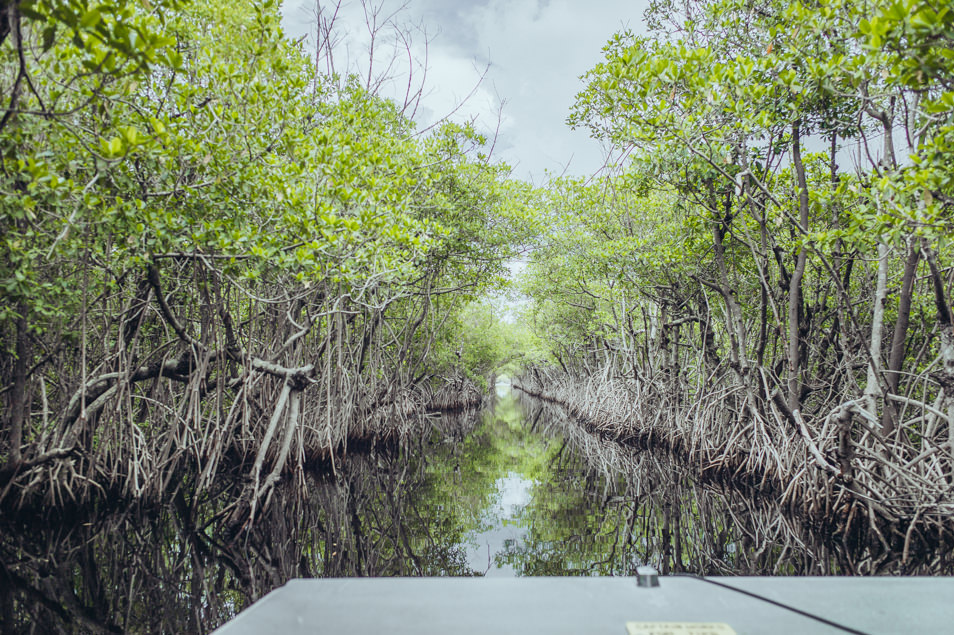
28,10
90,18
130,135
49,36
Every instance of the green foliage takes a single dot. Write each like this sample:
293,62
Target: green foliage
479,342
726,233
177,180
205,132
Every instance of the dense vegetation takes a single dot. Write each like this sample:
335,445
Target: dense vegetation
214,253
219,252
765,285
225,258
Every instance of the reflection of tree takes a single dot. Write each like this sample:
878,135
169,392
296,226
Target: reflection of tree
389,511
407,509
602,508
390,514
568,531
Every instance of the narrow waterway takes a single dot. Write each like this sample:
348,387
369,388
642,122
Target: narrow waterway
516,489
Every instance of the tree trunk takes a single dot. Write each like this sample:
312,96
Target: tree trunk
898,339
18,400
734,321
873,384
795,284
946,348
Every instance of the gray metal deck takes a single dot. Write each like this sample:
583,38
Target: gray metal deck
596,605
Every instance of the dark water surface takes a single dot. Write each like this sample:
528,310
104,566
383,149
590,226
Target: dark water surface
513,490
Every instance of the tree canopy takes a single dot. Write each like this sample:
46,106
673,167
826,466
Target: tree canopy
770,265
210,247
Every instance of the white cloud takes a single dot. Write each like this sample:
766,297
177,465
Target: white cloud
537,49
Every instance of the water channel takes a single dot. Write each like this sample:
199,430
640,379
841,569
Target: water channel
516,489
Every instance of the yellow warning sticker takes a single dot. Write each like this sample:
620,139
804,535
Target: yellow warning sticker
679,628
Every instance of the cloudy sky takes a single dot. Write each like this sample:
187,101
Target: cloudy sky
529,52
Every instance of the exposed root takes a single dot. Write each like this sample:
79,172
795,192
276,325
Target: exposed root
838,472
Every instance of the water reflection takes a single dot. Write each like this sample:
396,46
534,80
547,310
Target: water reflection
604,509
515,490
503,528
389,511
